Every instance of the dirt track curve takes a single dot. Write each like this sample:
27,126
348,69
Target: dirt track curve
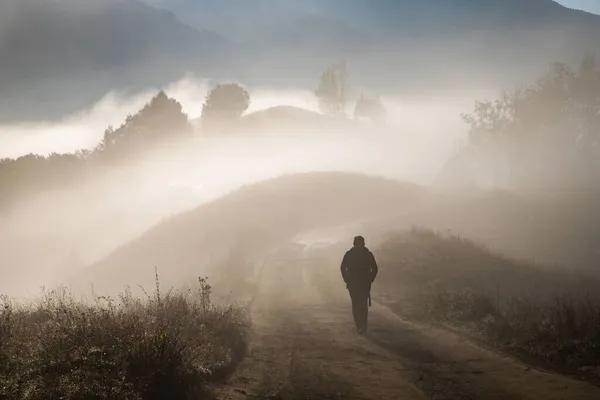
304,347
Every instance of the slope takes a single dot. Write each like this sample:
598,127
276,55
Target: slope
504,41
240,18
47,49
241,227
237,230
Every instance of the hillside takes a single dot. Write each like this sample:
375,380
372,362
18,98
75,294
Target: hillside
245,225
505,41
240,18
47,49
240,228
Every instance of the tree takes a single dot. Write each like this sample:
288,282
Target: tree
225,103
162,118
562,106
370,107
550,125
332,89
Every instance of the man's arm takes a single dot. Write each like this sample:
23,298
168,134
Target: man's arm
374,268
344,267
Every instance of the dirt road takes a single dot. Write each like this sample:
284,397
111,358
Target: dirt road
304,347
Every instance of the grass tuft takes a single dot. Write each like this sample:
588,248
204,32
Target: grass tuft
161,346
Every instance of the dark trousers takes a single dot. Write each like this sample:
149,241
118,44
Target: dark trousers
360,307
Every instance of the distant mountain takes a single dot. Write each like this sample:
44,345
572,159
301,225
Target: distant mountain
56,54
502,40
239,18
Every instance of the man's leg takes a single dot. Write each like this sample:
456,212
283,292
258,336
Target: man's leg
355,297
359,308
364,310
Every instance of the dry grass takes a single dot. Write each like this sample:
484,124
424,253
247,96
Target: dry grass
162,346
564,332
546,314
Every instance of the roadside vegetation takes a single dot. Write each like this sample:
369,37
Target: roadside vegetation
545,137
547,315
166,345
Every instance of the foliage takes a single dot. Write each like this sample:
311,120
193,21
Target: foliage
163,346
560,111
370,107
332,89
542,136
32,173
563,332
225,103
539,312
161,118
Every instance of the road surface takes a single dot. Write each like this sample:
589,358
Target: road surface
304,347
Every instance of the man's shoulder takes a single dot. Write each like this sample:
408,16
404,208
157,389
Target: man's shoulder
358,252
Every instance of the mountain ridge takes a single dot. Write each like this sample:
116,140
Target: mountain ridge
48,46
375,12
398,47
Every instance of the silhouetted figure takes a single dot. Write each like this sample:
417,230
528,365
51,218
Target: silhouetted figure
359,270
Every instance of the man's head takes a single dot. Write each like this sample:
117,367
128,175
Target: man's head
359,241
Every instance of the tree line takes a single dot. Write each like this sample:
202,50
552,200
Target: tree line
161,119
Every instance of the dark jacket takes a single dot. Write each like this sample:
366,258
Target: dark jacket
359,268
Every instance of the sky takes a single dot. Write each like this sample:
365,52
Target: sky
592,6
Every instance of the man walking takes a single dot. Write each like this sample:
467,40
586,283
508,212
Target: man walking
359,270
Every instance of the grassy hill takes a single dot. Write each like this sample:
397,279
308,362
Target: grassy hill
243,226
545,315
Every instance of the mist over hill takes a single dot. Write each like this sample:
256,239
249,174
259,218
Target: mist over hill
282,139
238,229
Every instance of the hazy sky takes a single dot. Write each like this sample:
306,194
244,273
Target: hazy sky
587,5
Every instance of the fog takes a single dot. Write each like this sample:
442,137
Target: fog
76,226
415,119
190,226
